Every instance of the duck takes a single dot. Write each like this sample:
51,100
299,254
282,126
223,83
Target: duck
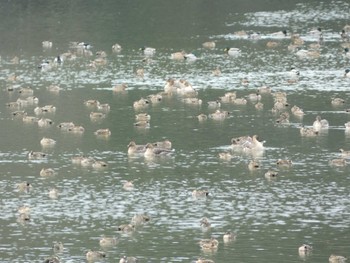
24,210
228,97
203,260
126,259
336,259
91,103
143,117
57,247
228,237
233,52
30,119
304,53
209,44
340,162
337,101
308,132
219,115
103,132
65,126
271,174
47,142
240,101
191,57
46,44
45,122
204,222
87,161
216,72
320,124
134,148
116,48
193,101
26,91
47,172
284,162
344,154
297,111
253,165
53,193
120,88
52,259
209,244
76,129
95,116
214,104
105,107
180,55
225,156
304,249
142,124
247,143
126,228
279,34
99,164
153,151
166,144
108,241
202,117
347,73
200,193
141,103
44,109
148,51
139,219
24,186
95,255
36,155
128,185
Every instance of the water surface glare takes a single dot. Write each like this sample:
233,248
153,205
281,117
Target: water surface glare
306,203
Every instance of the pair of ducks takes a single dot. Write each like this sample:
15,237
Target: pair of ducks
150,150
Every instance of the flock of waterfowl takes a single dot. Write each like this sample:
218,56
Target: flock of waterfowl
177,88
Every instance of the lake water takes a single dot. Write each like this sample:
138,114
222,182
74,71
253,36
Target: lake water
307,203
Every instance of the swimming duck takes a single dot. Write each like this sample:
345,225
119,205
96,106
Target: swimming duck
108,241
192,101
52,259
347,73
304,250
320,124
26,91
228,97
126,227
44,109
45,122
103,132
228,237
166,144
99,164
304,53
24,187
116,48
142,117
46,44
344,154
95,116
142,124
76,129
30,119
259,106
94,255
105,107
128,185
308,132
209,44
141,103
155,98
247,143
64,126
239,101
120,88
336,259
91,103
53,89
297,111
36,155
233,52
337,101
24,210
57,247
202,260
338,162
152,151
47,172
148,51
253,165
53,193
202,117
216,72
134,148
225,156
126,259
200,193
87,161
47,142
209,244
139,219
214,104
219,115
284,162
279,34
178,55
271,174
204,222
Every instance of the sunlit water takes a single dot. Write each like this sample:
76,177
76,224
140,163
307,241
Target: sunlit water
307,203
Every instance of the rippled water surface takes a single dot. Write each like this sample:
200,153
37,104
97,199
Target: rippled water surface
308,203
